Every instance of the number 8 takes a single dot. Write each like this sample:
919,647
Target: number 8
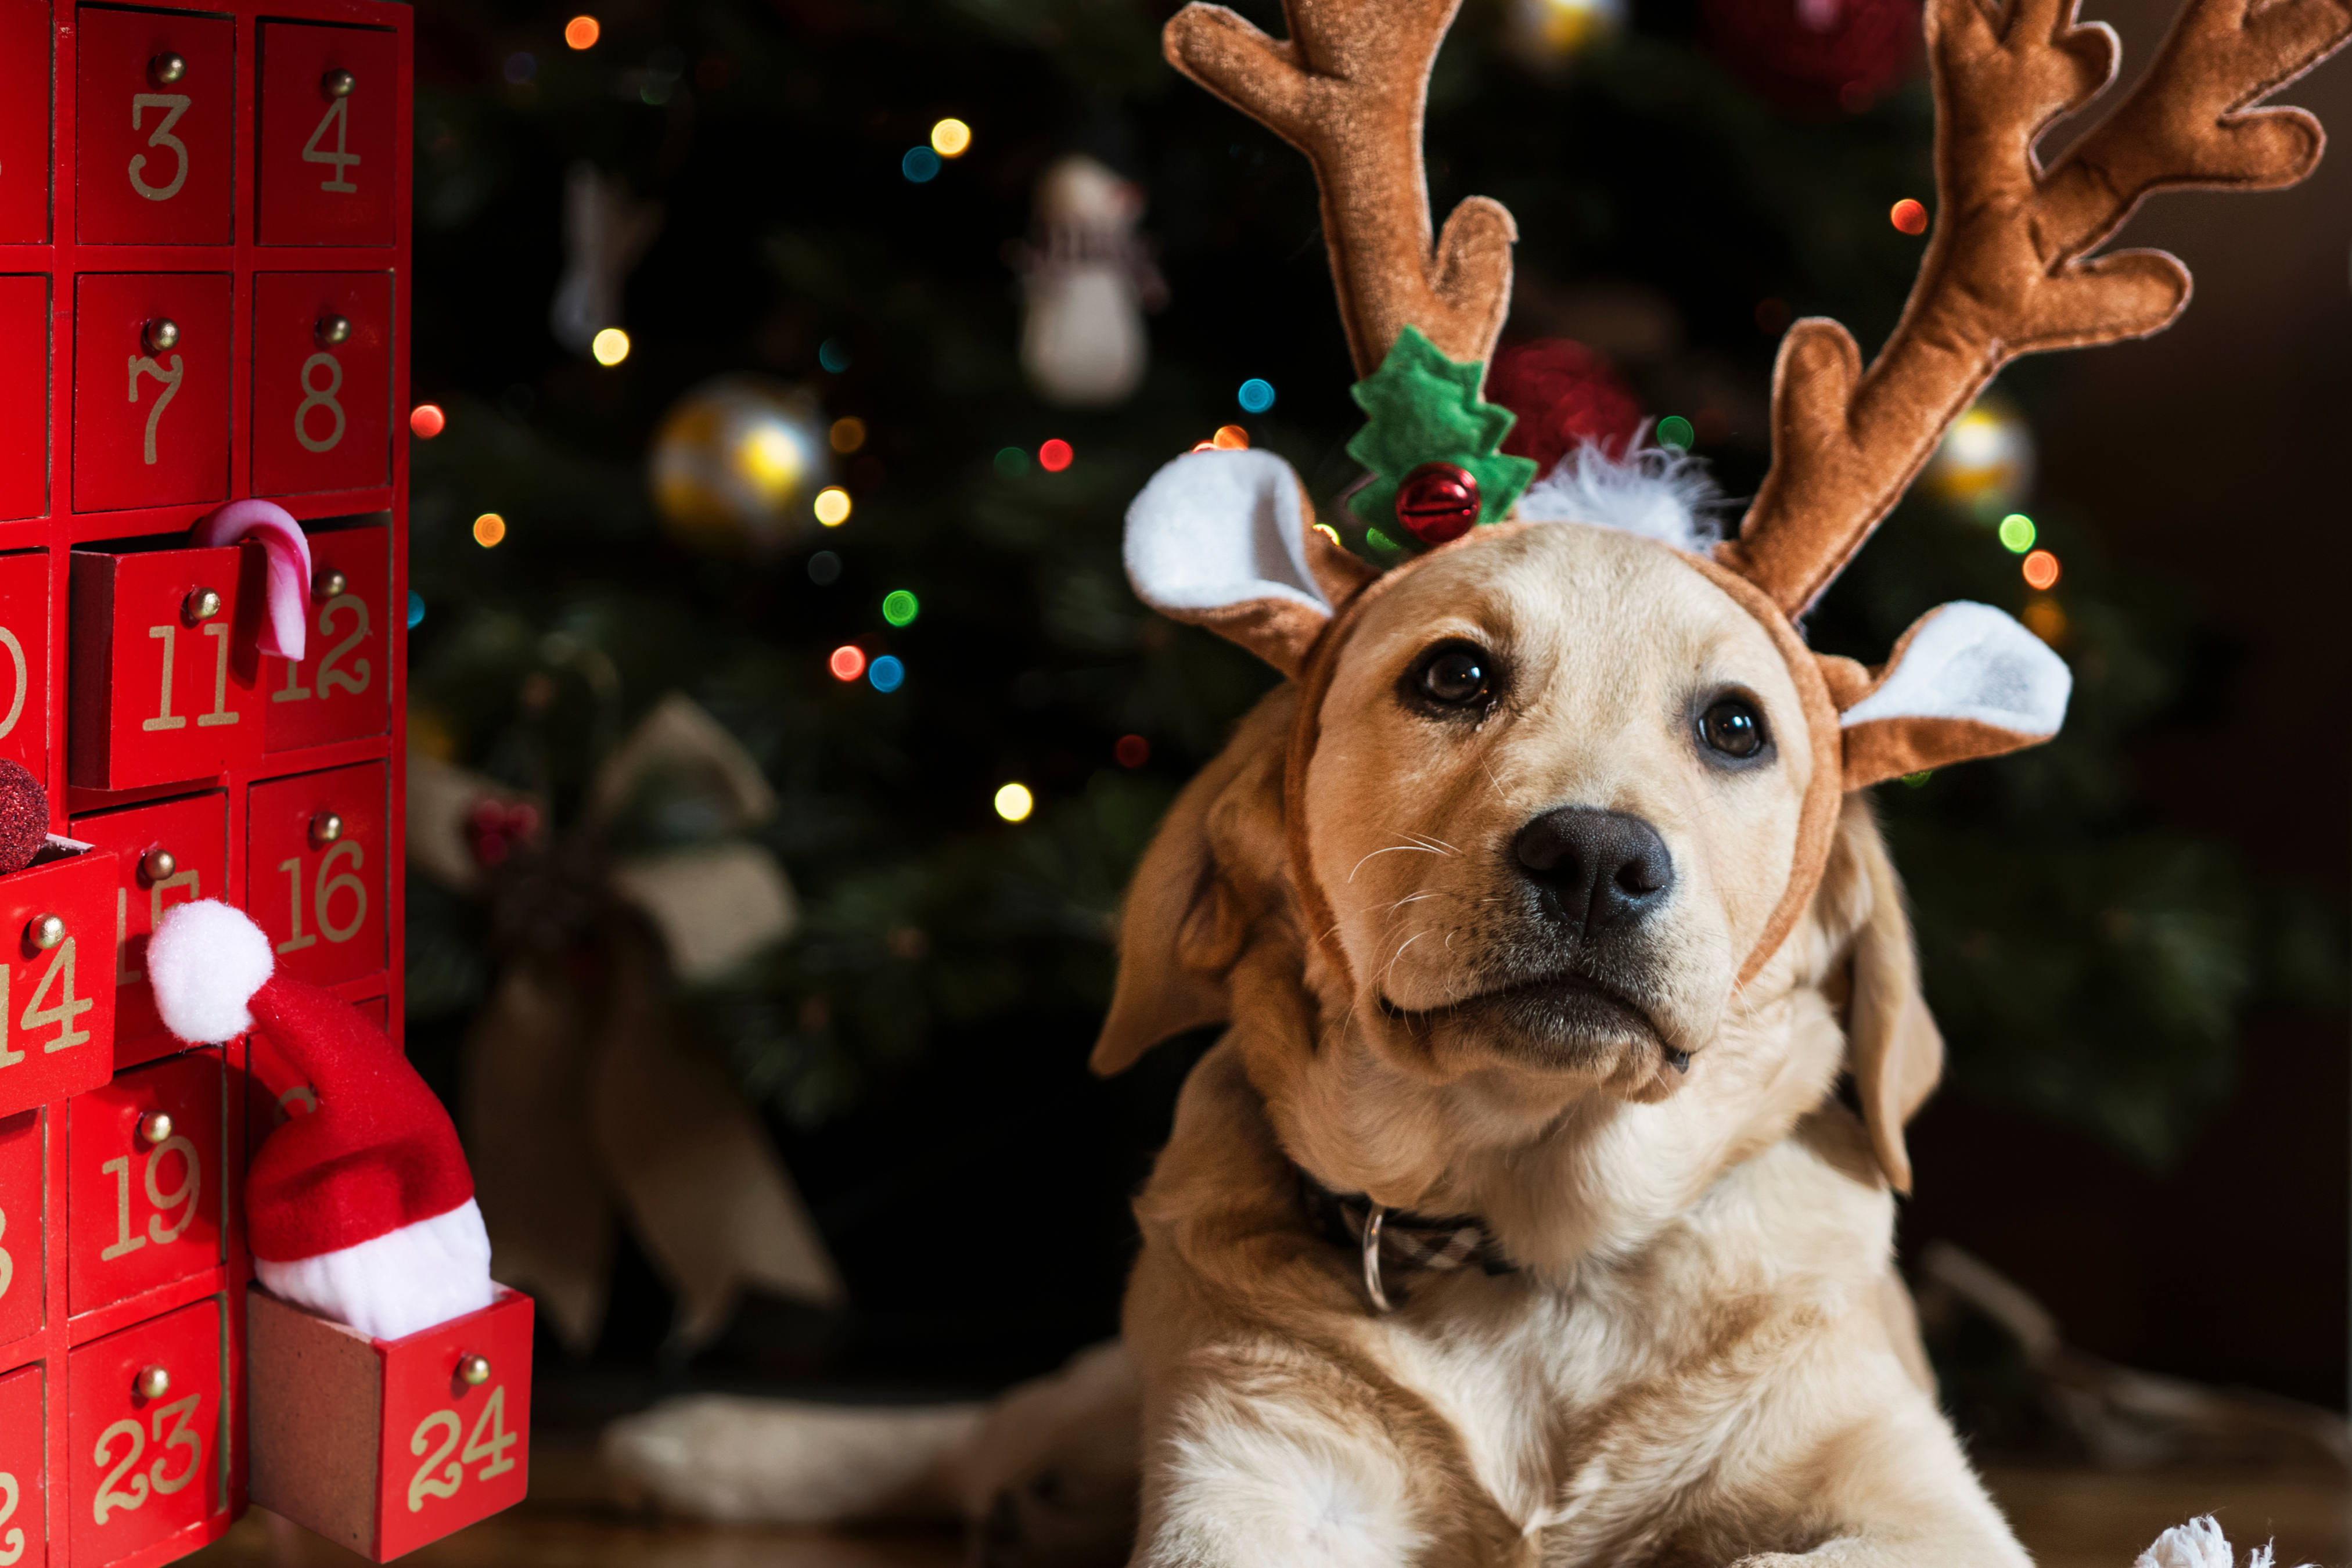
320,397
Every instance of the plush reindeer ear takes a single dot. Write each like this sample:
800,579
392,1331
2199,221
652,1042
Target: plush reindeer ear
1965,681
1893,1048
1226,540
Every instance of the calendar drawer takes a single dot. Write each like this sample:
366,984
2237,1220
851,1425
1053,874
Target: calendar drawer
24,1506
154,122
166,665
152,354
25,660
382,1446
340,689
147,1191
314,871
322,381
56,1011
22,1224
173,852
143,1433
23,384
24,121
330,98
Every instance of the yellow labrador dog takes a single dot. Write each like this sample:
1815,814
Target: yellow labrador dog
1518,1218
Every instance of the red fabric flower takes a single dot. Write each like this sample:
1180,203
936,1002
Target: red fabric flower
1564,395
1815,57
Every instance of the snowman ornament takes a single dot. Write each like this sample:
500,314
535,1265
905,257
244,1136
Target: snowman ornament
1082,338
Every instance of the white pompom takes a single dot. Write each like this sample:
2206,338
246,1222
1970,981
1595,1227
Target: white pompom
2200,1543
205,961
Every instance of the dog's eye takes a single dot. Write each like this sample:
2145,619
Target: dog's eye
1458,676
1732,726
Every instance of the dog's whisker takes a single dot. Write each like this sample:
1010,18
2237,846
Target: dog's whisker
1393,849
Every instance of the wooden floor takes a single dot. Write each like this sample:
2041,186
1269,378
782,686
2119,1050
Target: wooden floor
2068,1518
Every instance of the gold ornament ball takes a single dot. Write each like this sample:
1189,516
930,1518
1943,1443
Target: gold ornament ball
1986,460
737,465
1548,35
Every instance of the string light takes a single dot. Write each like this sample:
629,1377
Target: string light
582,32
415,609
886,674
833,354
1012,462
847,663
1675,431
900,607
920,165
1908,216
1230,438
1055,455
2017,533
1132,750
1014,803
1255,397
832,506
950,138
488,530
2042,571
610,346
847,435
426,421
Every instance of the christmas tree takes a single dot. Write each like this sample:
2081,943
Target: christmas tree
965,725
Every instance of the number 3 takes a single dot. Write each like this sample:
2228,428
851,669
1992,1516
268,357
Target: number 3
173,105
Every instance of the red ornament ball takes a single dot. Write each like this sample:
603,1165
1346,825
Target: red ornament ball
24,816
496,829
1564,395
1816,58
1438,502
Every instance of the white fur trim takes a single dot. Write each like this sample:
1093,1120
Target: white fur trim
400,1283
205,962
1658,493
1968,661
2200,1543
1220,528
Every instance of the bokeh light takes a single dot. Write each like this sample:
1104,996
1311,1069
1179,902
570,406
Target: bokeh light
2042,571
900,607
832,506
1014,803
1055,455
1132,750
1230,438
1675,431
2017,533
1255,397
415,609
847,435
950,138
1012,462
426,421
1908,216
920,165
488,530
1329,533
610,346
886,674
582,32
825,568
2046,620
833,354
847,663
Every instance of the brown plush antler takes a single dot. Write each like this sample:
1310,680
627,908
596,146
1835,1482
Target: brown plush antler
2005,274
1347,88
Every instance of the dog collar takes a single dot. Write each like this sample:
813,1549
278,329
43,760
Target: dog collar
1396,1242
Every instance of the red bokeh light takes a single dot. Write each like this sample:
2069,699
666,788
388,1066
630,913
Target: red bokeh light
1132,750
1055,455
2042,571
847,663
1909,217
426,421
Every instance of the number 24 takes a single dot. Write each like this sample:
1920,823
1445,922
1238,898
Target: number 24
492,1421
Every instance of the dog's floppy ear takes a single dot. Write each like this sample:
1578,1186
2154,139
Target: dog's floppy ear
1893,1048
1227,540
1965,681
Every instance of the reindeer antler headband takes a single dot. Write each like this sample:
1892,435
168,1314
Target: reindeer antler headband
1227,540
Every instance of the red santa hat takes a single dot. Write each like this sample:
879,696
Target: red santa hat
362,1210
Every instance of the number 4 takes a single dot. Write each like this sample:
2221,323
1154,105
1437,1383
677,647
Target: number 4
338,115
493,1418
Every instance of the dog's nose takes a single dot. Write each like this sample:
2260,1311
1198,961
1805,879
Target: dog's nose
1602,867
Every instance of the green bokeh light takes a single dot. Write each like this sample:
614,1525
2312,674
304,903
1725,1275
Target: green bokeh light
900,607
1674,430
1012,462
2017,533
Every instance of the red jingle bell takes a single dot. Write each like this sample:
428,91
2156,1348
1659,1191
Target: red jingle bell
1438,502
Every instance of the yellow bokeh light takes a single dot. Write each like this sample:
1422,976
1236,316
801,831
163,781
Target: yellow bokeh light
582,32
610,346
770,458
1014,803
848,434
950,138
833,505
488,528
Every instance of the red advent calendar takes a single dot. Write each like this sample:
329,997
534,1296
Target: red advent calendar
203,296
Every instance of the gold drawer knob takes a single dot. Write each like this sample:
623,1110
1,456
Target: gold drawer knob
337,84
330,583
167,69
158,865
153,1382
161,334
334,331
201,606
45,931
155,1126
473,1371
326,828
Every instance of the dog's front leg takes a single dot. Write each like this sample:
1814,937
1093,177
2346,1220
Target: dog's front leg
1268,1458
